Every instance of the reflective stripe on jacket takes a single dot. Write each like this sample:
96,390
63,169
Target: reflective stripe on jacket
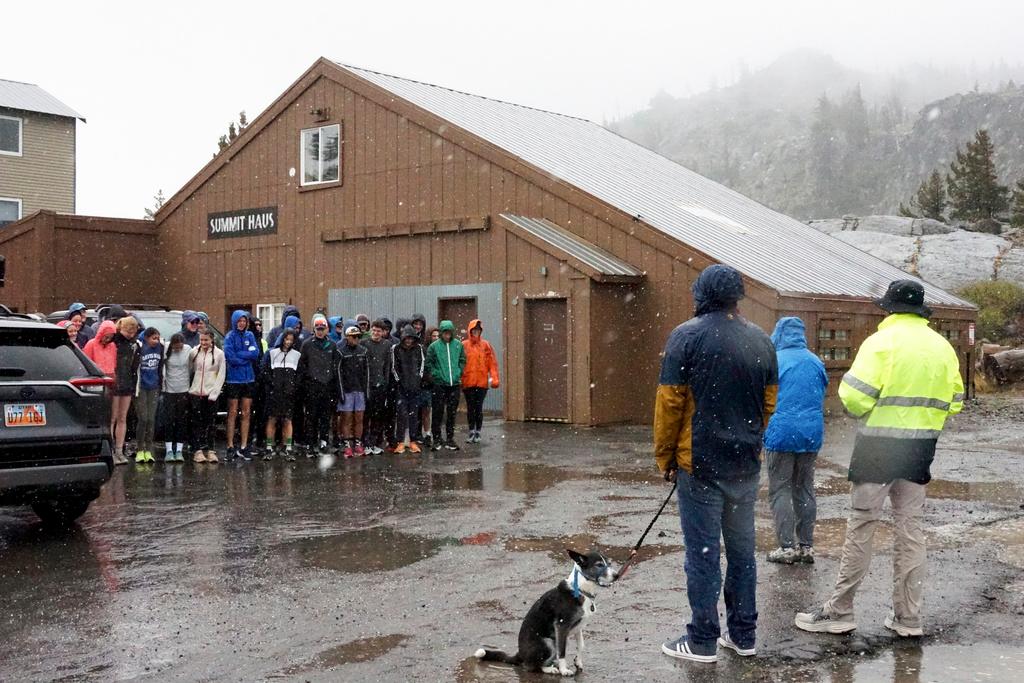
905,381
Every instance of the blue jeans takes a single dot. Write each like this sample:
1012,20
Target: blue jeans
710,510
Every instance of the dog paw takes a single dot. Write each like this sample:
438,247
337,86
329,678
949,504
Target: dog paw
566,671
578,663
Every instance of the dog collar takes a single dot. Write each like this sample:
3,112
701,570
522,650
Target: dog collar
578,582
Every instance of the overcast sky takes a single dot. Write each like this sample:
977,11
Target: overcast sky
158,87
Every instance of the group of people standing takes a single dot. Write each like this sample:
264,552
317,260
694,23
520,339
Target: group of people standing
727,392
342,387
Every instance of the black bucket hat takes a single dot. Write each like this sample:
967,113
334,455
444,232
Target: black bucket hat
905,296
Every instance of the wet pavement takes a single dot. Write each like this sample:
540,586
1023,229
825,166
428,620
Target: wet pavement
398,567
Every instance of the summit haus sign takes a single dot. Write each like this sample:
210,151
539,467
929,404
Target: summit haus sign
242,223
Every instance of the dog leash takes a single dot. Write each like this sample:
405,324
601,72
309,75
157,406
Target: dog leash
636,548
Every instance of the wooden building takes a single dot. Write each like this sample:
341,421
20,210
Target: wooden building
361,192
54,259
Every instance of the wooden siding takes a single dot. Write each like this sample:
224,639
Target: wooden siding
49,263
43,177
403,169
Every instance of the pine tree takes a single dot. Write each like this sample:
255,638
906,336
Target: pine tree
1017,207
931,197
824,154
974,189
158,201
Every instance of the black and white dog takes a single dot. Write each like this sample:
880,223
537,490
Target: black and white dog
557,616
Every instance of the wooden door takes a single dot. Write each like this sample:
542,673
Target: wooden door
547,359
459,310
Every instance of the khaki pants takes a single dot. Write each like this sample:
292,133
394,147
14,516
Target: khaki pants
908,549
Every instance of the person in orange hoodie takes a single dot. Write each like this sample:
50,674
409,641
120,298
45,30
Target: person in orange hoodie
101,349
481,372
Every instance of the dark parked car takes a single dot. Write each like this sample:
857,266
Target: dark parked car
55,450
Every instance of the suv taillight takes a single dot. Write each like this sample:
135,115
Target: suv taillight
92,385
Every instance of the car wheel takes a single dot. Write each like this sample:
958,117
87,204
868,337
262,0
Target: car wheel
60,513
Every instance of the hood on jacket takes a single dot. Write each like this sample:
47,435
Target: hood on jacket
106,327
389,326
472,325
717,288
419,316
252,328
332,323
291,321
188,316
361,317
409,331
789,334
236,316
280,338
290,311
447,326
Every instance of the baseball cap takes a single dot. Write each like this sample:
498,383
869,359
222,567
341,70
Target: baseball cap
319,321
353,330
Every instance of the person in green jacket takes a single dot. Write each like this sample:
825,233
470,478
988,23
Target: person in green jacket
445,360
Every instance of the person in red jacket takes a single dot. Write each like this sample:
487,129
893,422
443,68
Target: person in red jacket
480,373
101,350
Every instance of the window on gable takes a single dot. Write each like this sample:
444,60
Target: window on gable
321,154
10,135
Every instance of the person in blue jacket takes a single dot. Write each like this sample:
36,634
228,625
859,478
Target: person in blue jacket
792,441
240,351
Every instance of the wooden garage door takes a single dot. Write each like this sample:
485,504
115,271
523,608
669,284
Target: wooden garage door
460,310
547,359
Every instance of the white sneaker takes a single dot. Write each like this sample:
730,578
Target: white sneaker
901,630
816,621
725,641
784,556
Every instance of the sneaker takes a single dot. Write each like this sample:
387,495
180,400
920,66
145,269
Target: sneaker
725,641
414,448
450,445
211,456
901,630
310,452
806,554
119,459
324,449
199,456
436,445
359,450
376,450
230,454
816,621
784,556
244,454
425,440
400,448
289,456
348,450
149,456
140,457
168,456
268,455
682,648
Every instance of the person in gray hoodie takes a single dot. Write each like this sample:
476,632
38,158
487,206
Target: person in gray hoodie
175,400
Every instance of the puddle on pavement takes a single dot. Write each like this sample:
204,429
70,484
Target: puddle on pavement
361,650
947,663
463,480
996,492
833,486
363,551
829,535
555,547
533,477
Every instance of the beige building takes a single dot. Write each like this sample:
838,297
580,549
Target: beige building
37,152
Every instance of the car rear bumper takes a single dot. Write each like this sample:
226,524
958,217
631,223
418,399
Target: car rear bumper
22,485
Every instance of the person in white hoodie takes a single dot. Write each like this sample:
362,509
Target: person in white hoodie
208,374
177,379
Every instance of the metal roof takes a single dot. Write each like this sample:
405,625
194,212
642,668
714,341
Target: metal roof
591,255
28,97
763,244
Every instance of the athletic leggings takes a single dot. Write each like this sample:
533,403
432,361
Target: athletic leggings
176,418
320,405
475,407
145,410
204,412
446,404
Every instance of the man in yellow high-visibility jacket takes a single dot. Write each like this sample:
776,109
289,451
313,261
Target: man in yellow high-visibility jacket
904,382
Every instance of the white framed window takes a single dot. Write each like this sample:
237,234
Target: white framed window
270,314
10,136
10,210
320,152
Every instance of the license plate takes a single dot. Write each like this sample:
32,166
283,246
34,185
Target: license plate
25,414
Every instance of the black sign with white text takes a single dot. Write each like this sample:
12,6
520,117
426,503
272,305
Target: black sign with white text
242,223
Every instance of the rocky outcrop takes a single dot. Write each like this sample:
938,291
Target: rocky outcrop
943,255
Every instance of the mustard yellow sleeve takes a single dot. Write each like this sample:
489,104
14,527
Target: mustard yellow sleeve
771,398
669,416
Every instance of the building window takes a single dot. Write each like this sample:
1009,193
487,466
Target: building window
10,136
321,154
834,340
10,210
270,314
